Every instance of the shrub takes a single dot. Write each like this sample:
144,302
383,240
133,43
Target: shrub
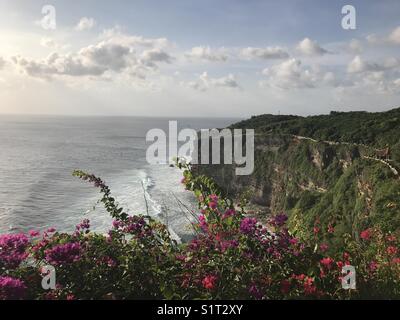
232,256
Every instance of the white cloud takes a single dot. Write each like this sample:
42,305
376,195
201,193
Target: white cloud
48,43
208,54
375,77
355,46
372,39
264,53
394,36
116,35
330,79
310,48
58,65
106,54
156,55
289,74
115,55
358,65
85,24
206,82
2,63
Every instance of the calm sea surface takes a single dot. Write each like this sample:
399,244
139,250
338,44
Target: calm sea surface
39,153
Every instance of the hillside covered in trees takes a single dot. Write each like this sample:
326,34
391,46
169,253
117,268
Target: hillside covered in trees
340,170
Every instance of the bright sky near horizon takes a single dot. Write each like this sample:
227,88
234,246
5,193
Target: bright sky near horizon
198,58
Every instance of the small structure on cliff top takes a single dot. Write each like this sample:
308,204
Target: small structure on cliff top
383,154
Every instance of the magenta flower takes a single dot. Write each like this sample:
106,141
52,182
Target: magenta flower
203,223
224,245
214,198
373,266
279,220
366,234
323,247
327,262
229,213
212,205
12,288
84,225
209,282
64,253
248,225
255,292
13,249
33,233
116,224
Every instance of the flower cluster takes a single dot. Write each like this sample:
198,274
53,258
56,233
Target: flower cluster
64,253
12,289
232,256
13,250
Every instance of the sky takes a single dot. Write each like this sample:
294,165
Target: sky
180,58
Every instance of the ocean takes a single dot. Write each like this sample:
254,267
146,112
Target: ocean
39,153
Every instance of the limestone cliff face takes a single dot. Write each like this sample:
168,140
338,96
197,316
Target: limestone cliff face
314,181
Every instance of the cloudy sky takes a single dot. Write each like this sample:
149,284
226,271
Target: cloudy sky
217,58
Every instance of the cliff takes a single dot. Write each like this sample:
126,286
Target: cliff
338,170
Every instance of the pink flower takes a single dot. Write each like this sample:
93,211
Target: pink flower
209,282
33,233
228,213
64,253
327,262
323,247
279,220
309,287
299,277
373,266
116,224
85,224
396,261
391,238
12,288
51,230
13,249
366,234
346,256
248,225
110,262
212,205
255,292
391,250
203,223
285,286
214,198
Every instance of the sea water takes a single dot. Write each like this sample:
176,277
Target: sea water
39,153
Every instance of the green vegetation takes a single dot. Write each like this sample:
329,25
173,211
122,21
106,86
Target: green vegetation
232,256
322,170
